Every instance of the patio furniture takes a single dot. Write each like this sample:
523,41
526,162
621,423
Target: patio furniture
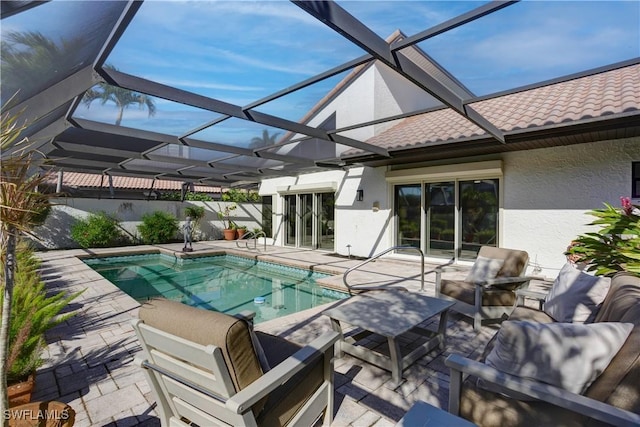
612,398
488,291
426,415
389,314
212,369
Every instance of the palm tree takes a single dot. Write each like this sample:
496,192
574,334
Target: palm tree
265,141
123,98
21,208
30,60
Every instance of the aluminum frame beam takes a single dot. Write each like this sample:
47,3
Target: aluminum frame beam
338,19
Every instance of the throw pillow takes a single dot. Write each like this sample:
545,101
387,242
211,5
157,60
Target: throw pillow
566,355
484,268
576,296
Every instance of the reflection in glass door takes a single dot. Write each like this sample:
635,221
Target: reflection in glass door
306,221
290,220
325,220
408,200
478,216
440,205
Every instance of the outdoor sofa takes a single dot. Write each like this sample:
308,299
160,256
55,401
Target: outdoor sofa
613,398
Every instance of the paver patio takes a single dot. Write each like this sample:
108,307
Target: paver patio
90,358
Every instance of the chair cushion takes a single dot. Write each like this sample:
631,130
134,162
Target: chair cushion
513,261
285,401
576,296
484,268
566,355
208,328
465,292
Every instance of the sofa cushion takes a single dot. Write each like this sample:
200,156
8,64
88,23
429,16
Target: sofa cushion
575,296
622,303
565,355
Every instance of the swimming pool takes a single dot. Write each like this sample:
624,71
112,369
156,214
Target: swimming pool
223,283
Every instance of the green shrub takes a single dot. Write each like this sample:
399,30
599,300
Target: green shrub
32,314
158,227
240,196
97,231
177,196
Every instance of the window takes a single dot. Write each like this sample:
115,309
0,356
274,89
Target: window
635,180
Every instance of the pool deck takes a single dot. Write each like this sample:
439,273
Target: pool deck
89,358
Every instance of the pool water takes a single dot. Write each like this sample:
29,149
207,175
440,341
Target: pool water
225,283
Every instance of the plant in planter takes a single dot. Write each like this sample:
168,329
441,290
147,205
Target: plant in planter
22,208
616,246
33,313
241,230
224,214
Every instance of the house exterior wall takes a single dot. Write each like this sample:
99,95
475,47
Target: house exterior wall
55,233
544,199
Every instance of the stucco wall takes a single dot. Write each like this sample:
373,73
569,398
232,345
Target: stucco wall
546,194
55,233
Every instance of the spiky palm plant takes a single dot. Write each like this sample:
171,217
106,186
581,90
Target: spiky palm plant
21,207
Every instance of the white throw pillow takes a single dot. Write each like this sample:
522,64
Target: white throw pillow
484,268
566,355
576,296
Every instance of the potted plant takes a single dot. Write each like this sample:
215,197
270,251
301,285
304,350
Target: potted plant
33,313
616,246
224,214
22,208
241,230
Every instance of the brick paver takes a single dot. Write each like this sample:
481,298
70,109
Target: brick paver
90,358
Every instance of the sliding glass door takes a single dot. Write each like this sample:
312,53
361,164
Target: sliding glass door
309,220
447,219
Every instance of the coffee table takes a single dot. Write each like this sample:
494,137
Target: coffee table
390,314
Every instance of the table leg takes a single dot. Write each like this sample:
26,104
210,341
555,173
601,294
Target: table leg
335,325
396,360
442,329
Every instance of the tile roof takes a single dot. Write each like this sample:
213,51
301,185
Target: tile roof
614,92
88,180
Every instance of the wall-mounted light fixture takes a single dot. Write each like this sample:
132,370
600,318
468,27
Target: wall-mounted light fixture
359,195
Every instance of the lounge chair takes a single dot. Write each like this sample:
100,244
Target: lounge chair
209,368
488,291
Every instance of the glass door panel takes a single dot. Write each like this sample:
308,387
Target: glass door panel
478,216
440,203
326,221
306,220
408,199
290,220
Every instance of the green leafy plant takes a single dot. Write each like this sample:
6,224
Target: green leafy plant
98,230
194,197
158,227
616,246
224,214
33,313
240,196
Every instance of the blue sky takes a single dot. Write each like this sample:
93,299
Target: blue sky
240,51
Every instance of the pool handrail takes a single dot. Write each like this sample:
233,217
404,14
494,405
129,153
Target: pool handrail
252,235
378,255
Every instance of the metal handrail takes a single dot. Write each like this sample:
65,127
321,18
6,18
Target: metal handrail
378,255
252,235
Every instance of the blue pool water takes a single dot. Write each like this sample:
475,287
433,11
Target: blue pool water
225,283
